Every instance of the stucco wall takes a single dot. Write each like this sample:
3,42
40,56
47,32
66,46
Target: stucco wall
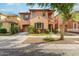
39,19
12,18
6,25
2,17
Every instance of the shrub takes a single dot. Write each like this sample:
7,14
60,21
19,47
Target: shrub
55,31
31,29
3,30
14,29
48,39
38,31
47,31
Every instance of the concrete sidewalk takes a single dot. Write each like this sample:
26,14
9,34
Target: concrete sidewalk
59,46
43,46
54,36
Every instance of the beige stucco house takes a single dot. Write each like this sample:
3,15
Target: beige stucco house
7,20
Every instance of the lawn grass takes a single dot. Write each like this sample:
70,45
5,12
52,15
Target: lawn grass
39,34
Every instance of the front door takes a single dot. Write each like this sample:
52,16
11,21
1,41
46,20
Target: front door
25,28
74,26
50,27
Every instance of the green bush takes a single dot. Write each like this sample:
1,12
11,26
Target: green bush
48,39
55,31
38,31
3,30
14,29
30,29
47,31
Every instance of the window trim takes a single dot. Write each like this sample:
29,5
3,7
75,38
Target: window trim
39,25
26,18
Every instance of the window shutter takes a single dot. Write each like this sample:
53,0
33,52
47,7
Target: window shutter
42,25
35,25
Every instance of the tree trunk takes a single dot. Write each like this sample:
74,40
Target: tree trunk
62,32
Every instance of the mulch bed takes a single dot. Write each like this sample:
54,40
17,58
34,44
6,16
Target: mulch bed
41,41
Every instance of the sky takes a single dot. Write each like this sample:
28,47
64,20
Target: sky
15,8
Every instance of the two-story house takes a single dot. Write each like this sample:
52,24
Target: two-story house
38,18
25,20
44,19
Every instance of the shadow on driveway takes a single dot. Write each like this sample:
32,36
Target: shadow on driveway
28,51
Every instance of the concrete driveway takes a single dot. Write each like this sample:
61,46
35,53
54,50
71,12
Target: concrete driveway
16,40
12,46
12,41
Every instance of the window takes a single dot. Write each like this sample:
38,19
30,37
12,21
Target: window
43,14
26,17
39,26
74,25
33,14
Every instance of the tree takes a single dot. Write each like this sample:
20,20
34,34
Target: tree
75,16
64,8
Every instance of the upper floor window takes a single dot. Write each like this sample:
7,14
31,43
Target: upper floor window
26,17
43,14
33,14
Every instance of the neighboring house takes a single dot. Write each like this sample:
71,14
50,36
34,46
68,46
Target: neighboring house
73,24
7,20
